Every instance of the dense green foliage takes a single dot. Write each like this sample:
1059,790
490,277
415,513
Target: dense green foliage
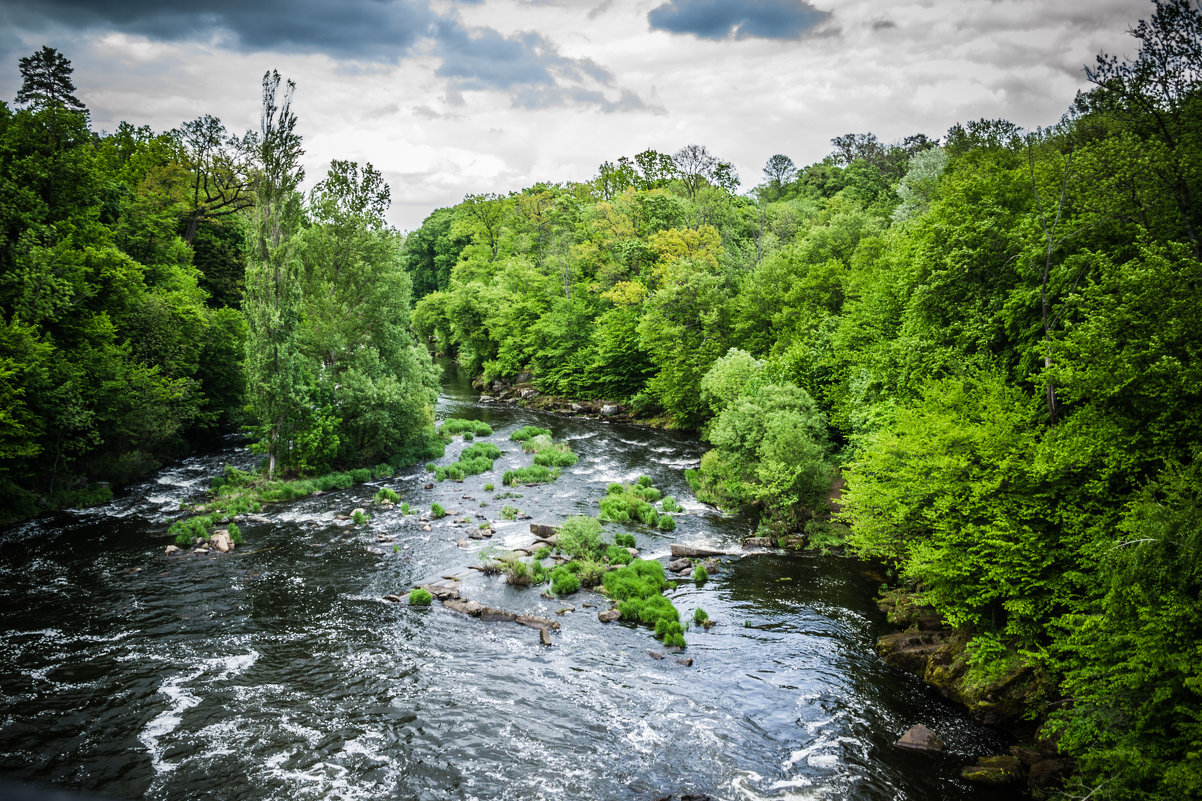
994,337
153,285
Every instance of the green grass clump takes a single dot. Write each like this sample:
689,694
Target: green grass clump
235,533
361,475
420,596
557,454
638,589
406,508
457,425
509,512
564,581
617,555
360,517
386,495
382,470
436,510
580,537
644,481
517,573
535,474
625,540
700,574
475,459
700,616
488,487
626,507
523,434
669,504
666,523
542,553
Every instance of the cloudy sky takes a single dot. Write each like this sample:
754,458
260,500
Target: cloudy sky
449,97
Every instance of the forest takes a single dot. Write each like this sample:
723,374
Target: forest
991,336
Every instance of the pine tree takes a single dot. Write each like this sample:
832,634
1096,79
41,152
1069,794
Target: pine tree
46,81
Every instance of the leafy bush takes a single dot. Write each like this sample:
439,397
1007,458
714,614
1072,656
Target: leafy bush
420,596
382,470
563,581
436,510
644,481
517,573
580,536
523,434
468,436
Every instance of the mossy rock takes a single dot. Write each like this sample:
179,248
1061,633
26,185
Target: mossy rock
994,770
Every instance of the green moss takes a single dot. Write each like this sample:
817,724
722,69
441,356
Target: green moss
360,517
700,574
420,596
669,504
625,540
666,523
617,555
436,510
535,474
700,616
386,495
457,425
542,553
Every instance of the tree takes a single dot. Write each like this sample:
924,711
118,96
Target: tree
1156,96
695,165
779,171
221,171
276,383
46,81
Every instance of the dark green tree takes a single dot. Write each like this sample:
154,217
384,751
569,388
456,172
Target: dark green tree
46,81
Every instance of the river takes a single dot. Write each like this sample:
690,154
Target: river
278,672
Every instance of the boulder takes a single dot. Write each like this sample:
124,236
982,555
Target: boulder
610,409
526,394
200,550
221,541
994,770
487,399
442,592
396,599
1047,774
686,661
679,565
695,551
171,549
609,616
759,542
655,655
920,738
544,532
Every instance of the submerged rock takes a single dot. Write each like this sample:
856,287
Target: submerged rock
920,738
994,770
695,551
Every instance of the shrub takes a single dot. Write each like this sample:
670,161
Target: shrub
666,523
468,436
430,467
517,573
625,540
361,475
386,495
523,434
644,481
563,581
580,537
590,572
382,470
406,508
436,510
539,573
420,596
700,574
542,553
624,506
650,494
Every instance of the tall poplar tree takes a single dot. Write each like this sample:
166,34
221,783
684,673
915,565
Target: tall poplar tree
275,369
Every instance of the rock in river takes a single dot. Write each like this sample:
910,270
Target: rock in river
920,738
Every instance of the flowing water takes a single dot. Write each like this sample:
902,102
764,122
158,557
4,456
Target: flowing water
278,672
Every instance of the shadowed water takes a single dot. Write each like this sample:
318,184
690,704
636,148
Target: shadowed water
278,672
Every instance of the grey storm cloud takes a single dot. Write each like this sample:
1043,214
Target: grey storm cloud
721,19
525,64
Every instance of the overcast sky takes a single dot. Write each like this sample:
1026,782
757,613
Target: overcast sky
449,97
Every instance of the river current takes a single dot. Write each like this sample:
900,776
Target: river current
278,672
